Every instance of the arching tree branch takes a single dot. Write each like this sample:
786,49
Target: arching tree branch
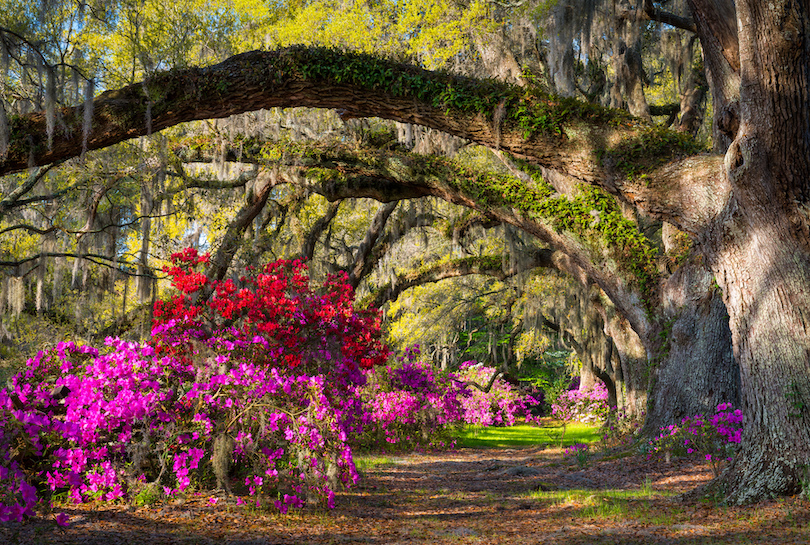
363,262
485,265
583,141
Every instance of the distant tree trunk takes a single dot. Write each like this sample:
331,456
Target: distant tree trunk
143,283
628,88
629,360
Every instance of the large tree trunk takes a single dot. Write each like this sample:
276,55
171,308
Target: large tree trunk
764,278
697,370
759,249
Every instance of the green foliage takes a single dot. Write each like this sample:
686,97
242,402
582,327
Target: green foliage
148,494
796,399
680,249
550,373
651,147
592,215
530,110
612,504
435,32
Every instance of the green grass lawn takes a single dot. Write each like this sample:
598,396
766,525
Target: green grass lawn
525,435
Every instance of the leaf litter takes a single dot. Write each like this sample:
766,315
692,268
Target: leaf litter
468,496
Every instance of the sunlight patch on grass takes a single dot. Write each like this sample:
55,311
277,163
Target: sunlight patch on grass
613,504
524,435
364,462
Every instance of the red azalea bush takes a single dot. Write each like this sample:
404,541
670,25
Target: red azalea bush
270,318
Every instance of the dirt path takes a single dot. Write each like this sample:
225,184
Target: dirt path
498,496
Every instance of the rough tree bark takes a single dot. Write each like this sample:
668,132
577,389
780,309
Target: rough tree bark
759,248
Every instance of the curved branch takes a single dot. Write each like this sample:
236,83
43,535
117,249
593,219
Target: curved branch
338,173
12,200
98,259
308,247
654,13
363,262
219,264
484,265
581,140
29,228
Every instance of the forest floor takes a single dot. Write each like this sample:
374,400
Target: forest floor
499,496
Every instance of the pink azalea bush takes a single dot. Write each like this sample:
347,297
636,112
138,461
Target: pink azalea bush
264,376
587,406
620,428
502,405
714,438
409,404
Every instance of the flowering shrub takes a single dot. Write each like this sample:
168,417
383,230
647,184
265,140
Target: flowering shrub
502,405
714,438
582,405
264,374
273,319
410,404
19,438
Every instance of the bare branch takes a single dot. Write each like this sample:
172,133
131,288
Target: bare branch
485,265
29,228
363,264
654,13
103,260
308,247
12,199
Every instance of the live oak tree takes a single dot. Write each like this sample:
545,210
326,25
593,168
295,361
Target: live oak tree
150,36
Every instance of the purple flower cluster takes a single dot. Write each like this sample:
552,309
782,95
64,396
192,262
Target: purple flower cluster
92,425
582,405
575,450
578,452
714,438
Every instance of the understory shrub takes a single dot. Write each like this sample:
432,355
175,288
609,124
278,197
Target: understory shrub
502,405
264,375
412,404
408,404
588,406
714,438
620,428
